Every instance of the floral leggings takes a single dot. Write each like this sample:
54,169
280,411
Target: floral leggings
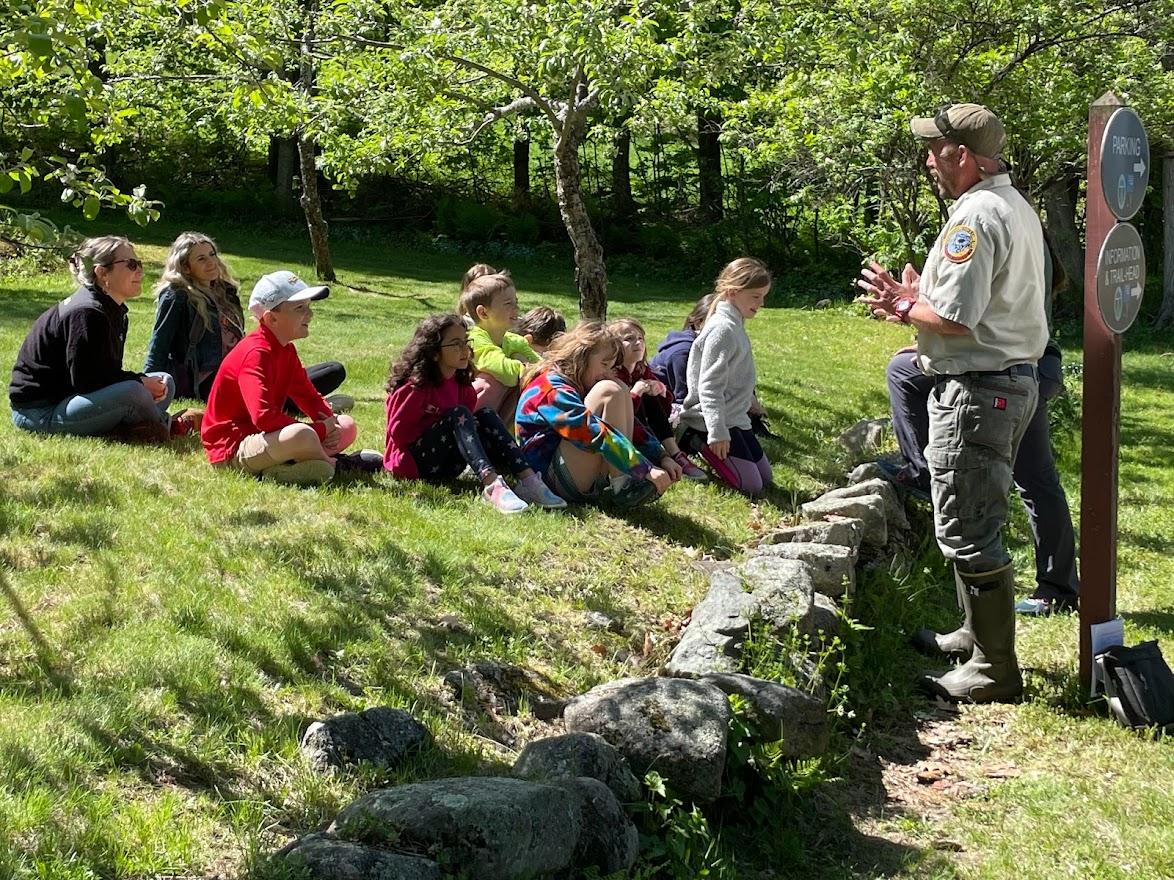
460,437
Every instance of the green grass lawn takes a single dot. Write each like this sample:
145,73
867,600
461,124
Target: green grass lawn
167,631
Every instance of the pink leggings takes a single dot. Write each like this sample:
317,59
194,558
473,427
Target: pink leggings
745,468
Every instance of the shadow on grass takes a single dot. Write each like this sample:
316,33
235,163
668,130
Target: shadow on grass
1160,619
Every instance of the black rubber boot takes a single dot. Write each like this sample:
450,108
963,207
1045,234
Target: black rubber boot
991,675
958,644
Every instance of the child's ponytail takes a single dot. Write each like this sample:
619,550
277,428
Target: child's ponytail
744,273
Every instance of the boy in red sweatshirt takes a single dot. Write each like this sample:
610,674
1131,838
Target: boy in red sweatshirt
245,425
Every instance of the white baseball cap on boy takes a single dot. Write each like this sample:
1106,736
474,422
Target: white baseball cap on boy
273,289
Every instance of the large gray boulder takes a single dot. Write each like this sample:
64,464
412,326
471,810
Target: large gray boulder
491,828
833,567
609,841
783,712
870,509
712,642
894,506
845,531
674,726
327,858
574,755
382,736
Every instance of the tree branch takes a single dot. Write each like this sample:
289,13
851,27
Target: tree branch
528,91
516,106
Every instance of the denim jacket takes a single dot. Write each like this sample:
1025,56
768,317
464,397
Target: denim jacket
180,342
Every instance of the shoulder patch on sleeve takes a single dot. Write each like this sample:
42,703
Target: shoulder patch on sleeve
960,244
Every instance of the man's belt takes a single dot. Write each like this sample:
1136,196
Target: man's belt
1015,370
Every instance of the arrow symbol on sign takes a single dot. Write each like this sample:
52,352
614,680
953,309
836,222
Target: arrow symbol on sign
1139,167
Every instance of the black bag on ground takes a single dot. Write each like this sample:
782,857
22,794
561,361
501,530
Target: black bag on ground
1138,685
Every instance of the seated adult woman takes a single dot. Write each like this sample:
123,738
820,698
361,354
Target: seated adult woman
68,377
199,320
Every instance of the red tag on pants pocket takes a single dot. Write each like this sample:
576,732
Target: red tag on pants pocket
1000,403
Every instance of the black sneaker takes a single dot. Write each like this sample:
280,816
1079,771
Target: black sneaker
632,494
368,461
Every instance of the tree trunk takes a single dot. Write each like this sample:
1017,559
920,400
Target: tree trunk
1166,314
1060,205
709,164
621,175
521,172
590,270
283,168
311,202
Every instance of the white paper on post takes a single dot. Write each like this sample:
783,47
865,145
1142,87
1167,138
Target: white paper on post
1104,636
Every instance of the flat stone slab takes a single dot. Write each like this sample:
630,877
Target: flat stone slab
575,755
783,712
712,642
675,726
870,509
782,591
894,506
382,736
833,567
492,828
326,857
845,531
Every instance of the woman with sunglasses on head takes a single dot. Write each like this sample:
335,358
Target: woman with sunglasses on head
68,377
199,320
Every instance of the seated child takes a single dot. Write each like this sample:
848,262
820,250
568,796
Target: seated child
671,359
721,377
540,326
490,302
433,432
575,420
651,401
246,425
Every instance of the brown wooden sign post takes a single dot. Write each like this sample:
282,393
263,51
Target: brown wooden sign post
1114,277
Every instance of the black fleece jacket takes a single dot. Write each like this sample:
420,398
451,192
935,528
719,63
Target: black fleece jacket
73,348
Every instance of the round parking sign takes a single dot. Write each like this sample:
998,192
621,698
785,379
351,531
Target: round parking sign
1125,163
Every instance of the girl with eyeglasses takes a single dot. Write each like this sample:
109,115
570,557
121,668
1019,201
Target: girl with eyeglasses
434,428
199,320
68,377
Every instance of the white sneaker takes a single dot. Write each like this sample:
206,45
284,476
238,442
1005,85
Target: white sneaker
533,490
312,472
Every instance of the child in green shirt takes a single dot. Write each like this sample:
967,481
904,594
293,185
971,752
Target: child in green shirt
490,302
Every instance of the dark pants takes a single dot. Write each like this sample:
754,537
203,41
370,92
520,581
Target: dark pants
745,468
653,412
1034,473
479,440
325,377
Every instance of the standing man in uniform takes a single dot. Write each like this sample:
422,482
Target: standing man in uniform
978,307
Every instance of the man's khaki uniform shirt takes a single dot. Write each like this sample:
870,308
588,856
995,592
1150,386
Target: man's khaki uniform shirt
986,272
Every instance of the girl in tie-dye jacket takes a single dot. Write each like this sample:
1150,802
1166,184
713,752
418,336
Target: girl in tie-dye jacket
576,427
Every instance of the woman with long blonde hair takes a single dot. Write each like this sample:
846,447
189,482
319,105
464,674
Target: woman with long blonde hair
577,429
199,320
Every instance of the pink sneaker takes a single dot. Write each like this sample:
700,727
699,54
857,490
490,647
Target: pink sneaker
689,470
502,497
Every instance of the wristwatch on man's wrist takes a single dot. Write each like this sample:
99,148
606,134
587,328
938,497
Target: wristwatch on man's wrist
902,309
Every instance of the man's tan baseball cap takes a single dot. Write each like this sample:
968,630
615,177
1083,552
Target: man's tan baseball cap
972,125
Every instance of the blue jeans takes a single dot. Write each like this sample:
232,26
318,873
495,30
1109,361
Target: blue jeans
98,412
